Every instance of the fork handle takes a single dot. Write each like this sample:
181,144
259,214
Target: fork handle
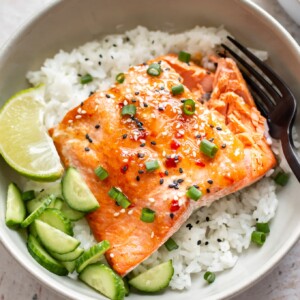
290,153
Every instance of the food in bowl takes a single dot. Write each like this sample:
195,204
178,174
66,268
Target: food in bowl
163,148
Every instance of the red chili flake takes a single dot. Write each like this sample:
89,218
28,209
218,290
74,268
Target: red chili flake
123,169
121,105
131,205
161,174
199,163
142,135
170,163
174,206
175,145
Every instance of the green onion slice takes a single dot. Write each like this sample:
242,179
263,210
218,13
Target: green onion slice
152,165
28,195
208,148
209,277
148,215
189,107
120,198
263,227
193,193
184,56
154,69
258,237
120,77
282,178
177,89
101,173
129,109
86,79
171,245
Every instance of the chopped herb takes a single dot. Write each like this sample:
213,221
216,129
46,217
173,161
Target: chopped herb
120,77
193,193
129,109
184,56
189,107
263,227
152,165
209,277
28,195
119,197
147,215
101,173
177,89
171,245
86,79
208,148
282,178
154,69
258,237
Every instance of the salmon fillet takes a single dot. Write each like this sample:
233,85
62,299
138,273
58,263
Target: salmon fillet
96,134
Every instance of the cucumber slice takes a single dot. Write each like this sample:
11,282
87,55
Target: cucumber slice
32,230
104,280
55,240
76,192
71,256
38,211
43,258
154,279
91,255
15,208
57,203
69,265
56,219
70,213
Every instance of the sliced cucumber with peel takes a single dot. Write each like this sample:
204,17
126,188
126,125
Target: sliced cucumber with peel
15,208
38,211
70,213
76,192
55,240
69,265
154,279
104,280
55,218
91,255
71,256
43,258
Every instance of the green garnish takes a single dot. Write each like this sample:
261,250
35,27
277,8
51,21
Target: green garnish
258,237
193,193
28,195
208,148
120,77
101,173
282,178
152,165
177,89
120,198
129,109
154,69
86,79
171,245
209,277
189,107
148,215
184,56
263,227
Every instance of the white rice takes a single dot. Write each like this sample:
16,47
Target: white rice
225,227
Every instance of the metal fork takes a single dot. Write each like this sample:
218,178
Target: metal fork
274,99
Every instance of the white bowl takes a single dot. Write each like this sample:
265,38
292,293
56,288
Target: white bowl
67,24
292,7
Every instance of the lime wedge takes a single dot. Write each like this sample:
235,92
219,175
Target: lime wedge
24,141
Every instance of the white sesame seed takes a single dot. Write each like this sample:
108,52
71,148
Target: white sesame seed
122,211
125,160
164,153
70,121
151,199
194,153
196,126
178,125
181,132
96,107
153,116
125,152
164,133
198,142
125,102
175,197
130,212
111,255
116,214
79,110
152,234
143,141
173,155
135,137
77,117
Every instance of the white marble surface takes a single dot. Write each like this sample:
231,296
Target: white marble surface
16,283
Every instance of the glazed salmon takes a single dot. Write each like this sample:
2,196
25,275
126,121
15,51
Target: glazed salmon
96,134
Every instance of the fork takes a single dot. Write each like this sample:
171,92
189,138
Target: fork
274,99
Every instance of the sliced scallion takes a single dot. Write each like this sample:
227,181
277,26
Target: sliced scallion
184,56
86,79
209,277
171,245
120,77
119,197
258,237
129,109
154,69
189,107
148,215
152,165
28,195
208,148
101,173
193,193
263,227
282,178
177,89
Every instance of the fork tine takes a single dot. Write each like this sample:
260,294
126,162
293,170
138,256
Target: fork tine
266,69
253,72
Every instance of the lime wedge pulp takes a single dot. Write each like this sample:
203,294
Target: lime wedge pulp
24,142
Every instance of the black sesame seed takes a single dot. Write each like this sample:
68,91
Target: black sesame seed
81,104
144,64
86,59
171,215
125,168
152,42
153,143
256,219
183,100
91,93
198,136
88,138
79,75
161,181
166,172
162,87
167,69
197,222
211,126
210,181
171,186
219,128
180,170
145,105
114,45
206,243
99,63
142,144
141,172
100,55
211,140
42,190
138,178
124,136
107,96
199,242
219,240
140,155
159,62
97,126
133,100
136,93
196,186
223,146
87,149
112,57
160,108
208,72
180,180
207,219
208,191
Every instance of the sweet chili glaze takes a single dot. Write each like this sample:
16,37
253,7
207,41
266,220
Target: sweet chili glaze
96,134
